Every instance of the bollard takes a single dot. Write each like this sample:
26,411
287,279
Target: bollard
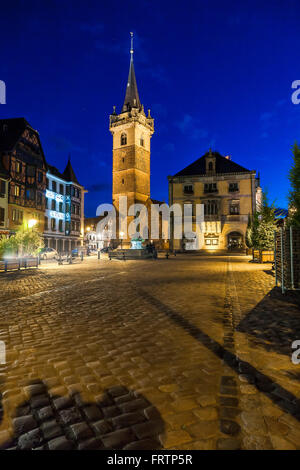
124,258
167,255
81,255
98,254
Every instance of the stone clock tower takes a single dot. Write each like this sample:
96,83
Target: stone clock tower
131,131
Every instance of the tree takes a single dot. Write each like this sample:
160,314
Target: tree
294,195
25,242
260,230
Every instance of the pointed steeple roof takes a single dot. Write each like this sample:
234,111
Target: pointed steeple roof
69,173
132,99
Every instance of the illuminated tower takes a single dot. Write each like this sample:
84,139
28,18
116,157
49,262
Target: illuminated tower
131,131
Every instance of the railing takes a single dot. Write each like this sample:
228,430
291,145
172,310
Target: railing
16,264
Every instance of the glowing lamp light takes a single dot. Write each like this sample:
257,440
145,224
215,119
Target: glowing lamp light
121,234
32,223
88,229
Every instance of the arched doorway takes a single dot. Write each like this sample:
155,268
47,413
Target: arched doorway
235,241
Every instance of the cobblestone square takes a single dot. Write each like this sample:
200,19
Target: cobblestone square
193,352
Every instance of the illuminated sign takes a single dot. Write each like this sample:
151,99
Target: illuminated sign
56,215
50,194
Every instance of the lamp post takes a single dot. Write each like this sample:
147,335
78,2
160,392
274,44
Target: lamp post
121,235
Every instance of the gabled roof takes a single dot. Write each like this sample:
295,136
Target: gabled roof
69,174
223,165
55,172
10,132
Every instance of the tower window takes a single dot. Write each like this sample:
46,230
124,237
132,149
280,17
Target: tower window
123,139
142,142
123,181
123,159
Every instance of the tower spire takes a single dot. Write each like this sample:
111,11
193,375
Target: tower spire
132,99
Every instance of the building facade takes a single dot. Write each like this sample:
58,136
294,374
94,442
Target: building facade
230,194
64,215
23,159
94,238
4,183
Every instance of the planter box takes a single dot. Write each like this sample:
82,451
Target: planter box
263,256
266,256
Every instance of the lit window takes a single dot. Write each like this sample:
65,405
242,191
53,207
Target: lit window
234,207
18,167
17,191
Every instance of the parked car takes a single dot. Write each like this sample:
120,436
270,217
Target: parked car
48,253
104,250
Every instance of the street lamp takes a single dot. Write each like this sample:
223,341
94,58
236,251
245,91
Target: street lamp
32,223
121,235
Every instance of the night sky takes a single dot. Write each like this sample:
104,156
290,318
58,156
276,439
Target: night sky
214,74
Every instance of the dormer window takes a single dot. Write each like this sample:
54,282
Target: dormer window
210,166
123,139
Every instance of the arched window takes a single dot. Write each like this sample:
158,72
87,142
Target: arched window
210,166
123,139
142,141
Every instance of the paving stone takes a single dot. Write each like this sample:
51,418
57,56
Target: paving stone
63,402
70,416
228,444
208,413
30,440
228,401
184,404
144,444
279,443
102,427
51,429
203,429
276,427
60,443
35,389
133,405
118,439
229,427
91,444
148,429
128,419
81,431
45,413
175,438
24,424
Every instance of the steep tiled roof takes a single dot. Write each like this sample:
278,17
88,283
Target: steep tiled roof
10,131
223,165
132,99
55,172
69,174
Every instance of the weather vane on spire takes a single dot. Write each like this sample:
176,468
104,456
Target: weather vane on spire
131,48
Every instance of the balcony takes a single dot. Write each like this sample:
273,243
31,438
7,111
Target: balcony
188,191
211,191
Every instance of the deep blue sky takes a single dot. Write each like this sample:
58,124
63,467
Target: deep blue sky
213,73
